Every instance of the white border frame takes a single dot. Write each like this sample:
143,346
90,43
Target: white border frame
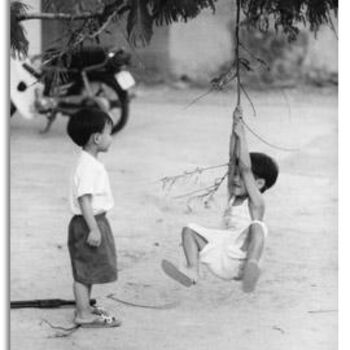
4,172
344,179
344,176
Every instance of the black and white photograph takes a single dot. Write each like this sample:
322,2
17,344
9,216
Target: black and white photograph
173,174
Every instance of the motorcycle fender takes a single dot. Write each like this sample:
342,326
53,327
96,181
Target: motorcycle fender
125,80
23,89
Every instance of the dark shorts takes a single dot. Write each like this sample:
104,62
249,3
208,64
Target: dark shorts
92,265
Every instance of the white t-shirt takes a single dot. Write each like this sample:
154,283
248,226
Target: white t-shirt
90,177
237,217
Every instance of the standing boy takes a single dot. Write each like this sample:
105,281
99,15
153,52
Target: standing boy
233,252
90,239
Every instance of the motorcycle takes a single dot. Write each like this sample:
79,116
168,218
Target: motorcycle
91,74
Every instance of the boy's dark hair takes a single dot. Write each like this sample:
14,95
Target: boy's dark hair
85,122
264,167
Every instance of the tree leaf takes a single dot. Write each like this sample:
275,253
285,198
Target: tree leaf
19,42
288,14
139,23
168,11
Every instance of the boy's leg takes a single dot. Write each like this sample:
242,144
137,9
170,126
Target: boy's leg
92,308
87,317
255,247
82,300
192,244
97,310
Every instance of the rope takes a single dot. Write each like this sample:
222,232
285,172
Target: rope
67,331
165,306
269,143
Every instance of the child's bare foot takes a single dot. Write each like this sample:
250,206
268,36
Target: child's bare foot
95,310
97,317
191,272
101,321
187,278
81,317
250,276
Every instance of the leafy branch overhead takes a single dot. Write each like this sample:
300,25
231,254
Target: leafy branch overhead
139,23
18,41
169,11
88,19
286,15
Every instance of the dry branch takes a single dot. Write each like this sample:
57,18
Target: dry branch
61,332
204,194
267,142
168,181
233,140
58,16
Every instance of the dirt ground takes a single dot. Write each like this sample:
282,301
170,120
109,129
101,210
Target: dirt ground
295,304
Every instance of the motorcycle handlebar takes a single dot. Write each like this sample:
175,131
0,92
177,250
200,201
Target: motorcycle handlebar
96,66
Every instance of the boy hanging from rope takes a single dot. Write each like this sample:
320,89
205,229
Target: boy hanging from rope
234,251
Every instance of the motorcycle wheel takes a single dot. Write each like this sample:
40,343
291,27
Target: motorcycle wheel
13,109
118,101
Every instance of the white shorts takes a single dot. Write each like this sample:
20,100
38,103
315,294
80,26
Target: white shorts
223,254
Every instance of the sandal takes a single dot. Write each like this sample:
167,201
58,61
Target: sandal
99,311
250,277
101,321
96,310
173,272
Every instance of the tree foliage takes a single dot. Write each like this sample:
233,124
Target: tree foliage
287,15
88,19
168,11
18,41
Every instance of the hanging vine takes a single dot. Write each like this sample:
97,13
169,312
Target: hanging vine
206,194
238,110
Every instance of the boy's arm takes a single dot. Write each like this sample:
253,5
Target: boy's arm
94,237
256,200
237,115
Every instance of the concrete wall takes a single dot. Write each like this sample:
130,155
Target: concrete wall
152,63
198,48
201,47
322,52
